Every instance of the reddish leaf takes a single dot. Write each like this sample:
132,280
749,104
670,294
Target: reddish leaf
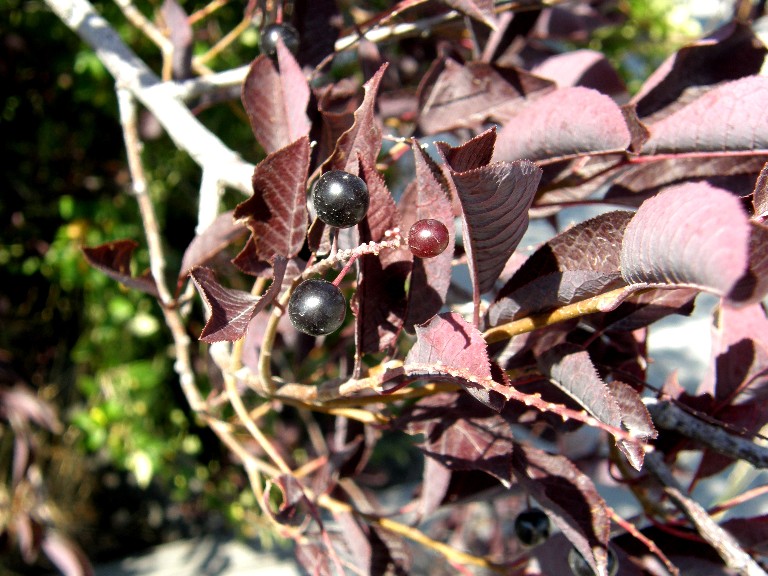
474,153
586,68
363,139
730,117
753,286
739,352
495,200
180,36
291,497
372,550
21,404
232,310
222,232
594,244
635,183
752,533
379,302
454,95
277,212
434,487
551,291
449,347
689,235
636,419
569,498
564,123
336,104
480,10
729,53
114,259
276,102
427,197
65,555
462,435
571,370
313,556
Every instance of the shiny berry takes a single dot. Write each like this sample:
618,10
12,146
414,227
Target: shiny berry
341,199
580,567
532,527
317,307
428,238
285,32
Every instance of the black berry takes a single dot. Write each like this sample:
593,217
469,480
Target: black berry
317,307
532,527
428,238
285,32
340,198
580,567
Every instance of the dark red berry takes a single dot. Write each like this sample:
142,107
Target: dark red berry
285,32
317,307
341,199
428,238
532,526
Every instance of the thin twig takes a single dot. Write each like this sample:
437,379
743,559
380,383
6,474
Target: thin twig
726,545
131,73
650,544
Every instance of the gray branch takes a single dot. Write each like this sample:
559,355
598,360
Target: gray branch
160,98
668,416
725,544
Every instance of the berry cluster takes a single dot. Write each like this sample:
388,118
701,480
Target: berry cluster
341,200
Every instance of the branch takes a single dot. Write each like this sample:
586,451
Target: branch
726,545
131,73
670,417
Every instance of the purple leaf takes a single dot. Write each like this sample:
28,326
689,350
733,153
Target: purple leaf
636,419
427,197
594,244
449,347
276,102
586,68
434,487
739,352
729,53
23,405
637,182
571,370
551,291
753,286
564,123
462,435
379,303
454,95
336,104
114,259
495,200
691,235
730,117
232,310
752,533
180,36
480,10
474,153
363,139
65,555
569,498
222,232
277,212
